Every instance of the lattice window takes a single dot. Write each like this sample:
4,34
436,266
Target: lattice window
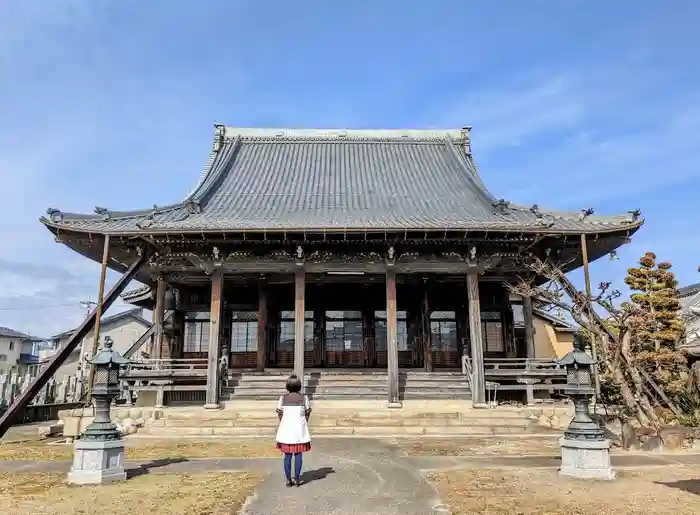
380,334
287,331
443,330
196,332
244,331
492,334
344,331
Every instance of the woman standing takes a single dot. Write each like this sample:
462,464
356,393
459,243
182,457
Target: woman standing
293,439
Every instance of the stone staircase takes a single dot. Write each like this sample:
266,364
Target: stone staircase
360,418
347,385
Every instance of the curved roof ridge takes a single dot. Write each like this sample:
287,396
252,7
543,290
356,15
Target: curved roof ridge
340,134
219,136
629,217
471,174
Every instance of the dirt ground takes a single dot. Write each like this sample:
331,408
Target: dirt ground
542,446
155,494
147,449
668,490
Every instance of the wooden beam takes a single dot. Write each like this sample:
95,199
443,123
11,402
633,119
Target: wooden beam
391,337
587,279
299,308
159,318
214,351
262,324
529,327
146,336
98,317
476,340
65,351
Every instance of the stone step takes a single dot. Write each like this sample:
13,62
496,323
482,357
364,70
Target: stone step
321,431
342,422
479,417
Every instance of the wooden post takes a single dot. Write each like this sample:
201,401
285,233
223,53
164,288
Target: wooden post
217,290
476,340
427,334
529,327
98,310
299,307
392,349
587,279
262,325
159,314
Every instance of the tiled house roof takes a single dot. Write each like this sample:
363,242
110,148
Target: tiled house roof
287,180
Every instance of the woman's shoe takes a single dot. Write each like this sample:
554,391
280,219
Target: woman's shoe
297,482
289,483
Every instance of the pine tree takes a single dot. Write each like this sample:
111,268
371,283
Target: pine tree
655,325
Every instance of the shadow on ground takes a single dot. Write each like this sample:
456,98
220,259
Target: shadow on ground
691,486
315,475
145,468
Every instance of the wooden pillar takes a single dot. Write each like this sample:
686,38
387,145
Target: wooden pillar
217,289
529,327
262,324
299,309
159,313
426,332
476,340
587,279
98,311
392,349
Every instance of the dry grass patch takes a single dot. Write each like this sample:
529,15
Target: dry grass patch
139,450
543,446
666,490
155,494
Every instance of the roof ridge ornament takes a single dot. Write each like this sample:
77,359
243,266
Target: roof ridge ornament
636,214
586,212
501,206
219,136
193,207
466,139
54,214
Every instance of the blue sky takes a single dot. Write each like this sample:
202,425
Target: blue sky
573,104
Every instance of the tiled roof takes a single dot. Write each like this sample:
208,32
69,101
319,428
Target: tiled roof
691,289
268,179
6,332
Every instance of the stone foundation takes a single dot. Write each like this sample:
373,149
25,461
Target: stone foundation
586,459
96,462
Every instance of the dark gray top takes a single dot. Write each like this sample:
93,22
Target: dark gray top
269,179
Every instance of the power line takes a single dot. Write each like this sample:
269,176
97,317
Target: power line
39,307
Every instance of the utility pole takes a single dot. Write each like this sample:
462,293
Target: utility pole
88,305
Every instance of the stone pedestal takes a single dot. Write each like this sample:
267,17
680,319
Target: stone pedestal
585,459
97,461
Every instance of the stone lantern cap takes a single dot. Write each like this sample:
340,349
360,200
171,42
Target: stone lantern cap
106,355
578,356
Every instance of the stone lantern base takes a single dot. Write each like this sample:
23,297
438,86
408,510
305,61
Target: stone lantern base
585,459
97,461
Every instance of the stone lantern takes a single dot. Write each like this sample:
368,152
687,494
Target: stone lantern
585,452
99,452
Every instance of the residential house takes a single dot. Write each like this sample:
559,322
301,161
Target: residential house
690,313
553,336
124,328
18,351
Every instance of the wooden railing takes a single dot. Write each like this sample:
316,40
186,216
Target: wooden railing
165,367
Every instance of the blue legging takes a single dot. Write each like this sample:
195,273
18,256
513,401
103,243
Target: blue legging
288,466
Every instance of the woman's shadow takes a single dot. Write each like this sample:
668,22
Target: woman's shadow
315,475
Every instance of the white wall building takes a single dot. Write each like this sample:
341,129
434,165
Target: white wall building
124,328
